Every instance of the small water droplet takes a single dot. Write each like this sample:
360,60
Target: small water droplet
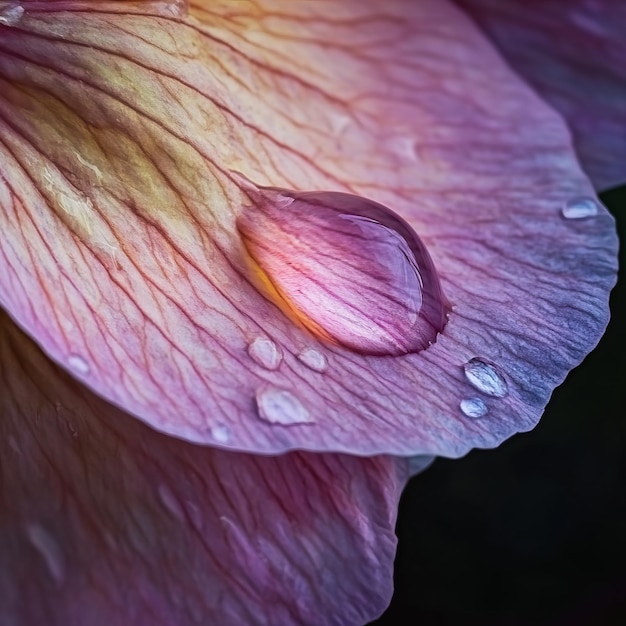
473,407
279,406
49,550
11,14
486,377
580,208
346,268
313,359
221,433
78,364
265,352
171,502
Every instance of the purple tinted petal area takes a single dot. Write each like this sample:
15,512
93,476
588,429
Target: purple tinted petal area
119,136
572,52
104,521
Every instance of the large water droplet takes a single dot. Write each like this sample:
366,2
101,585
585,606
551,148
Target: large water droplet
279,406
579,208
49,550
313,359
265,352
78,364
10,13
473,407
486,377
348,269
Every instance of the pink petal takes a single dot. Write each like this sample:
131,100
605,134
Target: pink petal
572,52
104,521
120,139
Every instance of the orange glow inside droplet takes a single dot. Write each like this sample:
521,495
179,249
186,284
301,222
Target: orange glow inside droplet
275,295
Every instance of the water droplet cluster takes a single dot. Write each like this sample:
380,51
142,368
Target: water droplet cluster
487,378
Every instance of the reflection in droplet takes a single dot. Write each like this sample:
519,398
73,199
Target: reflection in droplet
11,14
49,550
486,377
279,406
221,433
265,352
313,359
579,208
473,407
348,269
78,364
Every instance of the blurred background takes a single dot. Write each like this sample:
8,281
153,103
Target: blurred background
533,532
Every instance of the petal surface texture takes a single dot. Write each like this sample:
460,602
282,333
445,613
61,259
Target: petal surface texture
124,143
572,52
105,521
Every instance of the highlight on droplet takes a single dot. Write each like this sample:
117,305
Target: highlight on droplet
346,268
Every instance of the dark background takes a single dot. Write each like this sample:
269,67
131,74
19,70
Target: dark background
533,532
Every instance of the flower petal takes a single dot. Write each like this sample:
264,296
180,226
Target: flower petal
104,521
572,52
120,136
11,13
